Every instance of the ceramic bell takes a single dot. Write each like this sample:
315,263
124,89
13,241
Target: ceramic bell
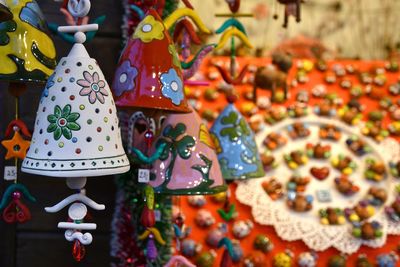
76,131
188,164
149,73
235,145
5,13
27,53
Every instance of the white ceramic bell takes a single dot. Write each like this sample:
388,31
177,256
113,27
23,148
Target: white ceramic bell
76,131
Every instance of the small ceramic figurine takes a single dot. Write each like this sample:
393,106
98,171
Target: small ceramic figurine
307,259
197,201
282,259
297,183
344,164
206,259
375,130
275,140
395,169
377,196
358,146
299,202
190,248
318,151
332,216
321,173
345,186
263,243
298,110
350,115
295,159
362,261
298,130
274,115
387,260
362,211
241,229
204,218
375,170
368,230
393,211
255,259
273,188
268,160
214,236
325,108
337,261
329,131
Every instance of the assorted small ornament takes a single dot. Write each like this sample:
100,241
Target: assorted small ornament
320,173
273,188
362,261
375,170
318,151
275,140
367,230
214,236
307,259
325,108
303,96
345,186
387,260
204,218
295,159
298,130
283,259
268,160
393,211
263,243
275,115
358,146
319,91
297,183
375,130
228,211
242,229
350,115
356,91
394,128
330,132
297,110
332,216
361,212
292,8
377,196
299,202
344,164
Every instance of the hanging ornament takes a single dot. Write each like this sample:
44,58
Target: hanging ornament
230,29
292,8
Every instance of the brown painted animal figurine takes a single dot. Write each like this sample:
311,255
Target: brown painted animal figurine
269,78
292,7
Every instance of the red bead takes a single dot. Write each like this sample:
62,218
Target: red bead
78,251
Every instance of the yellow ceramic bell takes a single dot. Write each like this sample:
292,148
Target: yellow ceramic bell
26,51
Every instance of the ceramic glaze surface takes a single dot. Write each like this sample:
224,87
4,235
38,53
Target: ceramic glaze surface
26,51
235,146
76,130
189,164
149,73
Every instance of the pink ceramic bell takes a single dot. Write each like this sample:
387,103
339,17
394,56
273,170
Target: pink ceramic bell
149,73
188,164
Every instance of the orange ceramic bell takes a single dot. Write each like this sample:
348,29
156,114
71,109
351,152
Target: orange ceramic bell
149,73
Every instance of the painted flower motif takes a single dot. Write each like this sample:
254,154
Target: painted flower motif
149,29
63,122
50,83
174,54
172,86
124,78
93,87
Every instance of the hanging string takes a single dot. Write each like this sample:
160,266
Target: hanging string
16,117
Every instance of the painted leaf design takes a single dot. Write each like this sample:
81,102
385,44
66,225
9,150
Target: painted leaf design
52,118
165,153
57,133
52,127
230,119
184,145
73,117
244,127
57,111
73,126
66,111
67,133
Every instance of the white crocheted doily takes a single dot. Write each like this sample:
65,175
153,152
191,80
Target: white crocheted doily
292,226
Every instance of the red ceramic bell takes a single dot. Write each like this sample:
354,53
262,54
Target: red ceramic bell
149,73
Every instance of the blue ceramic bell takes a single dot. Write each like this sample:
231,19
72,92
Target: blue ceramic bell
235,146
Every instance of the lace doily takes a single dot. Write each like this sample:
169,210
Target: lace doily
292,226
